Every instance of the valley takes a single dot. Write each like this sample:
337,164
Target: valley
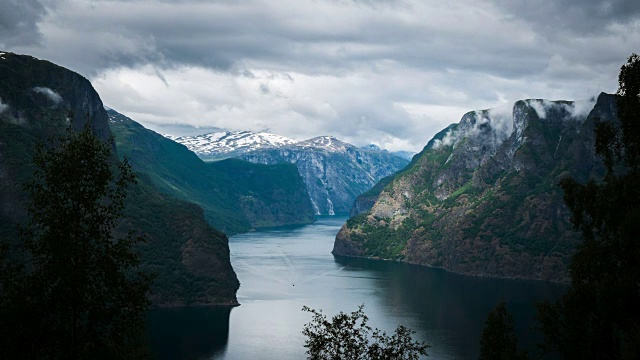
319,179
447,310
334,172
233,232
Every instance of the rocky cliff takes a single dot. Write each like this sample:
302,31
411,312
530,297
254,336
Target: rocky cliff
38,101
334,172
482,197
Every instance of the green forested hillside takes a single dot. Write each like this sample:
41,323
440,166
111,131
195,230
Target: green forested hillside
38,101
236,196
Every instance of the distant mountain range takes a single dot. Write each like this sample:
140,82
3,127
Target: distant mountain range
335,172
482,197
230,144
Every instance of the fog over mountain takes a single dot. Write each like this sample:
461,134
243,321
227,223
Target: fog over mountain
387,72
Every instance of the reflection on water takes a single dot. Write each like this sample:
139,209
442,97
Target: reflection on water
188,332
280,270
455,306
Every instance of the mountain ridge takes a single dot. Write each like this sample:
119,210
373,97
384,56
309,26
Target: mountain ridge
482,196
40,100
335,172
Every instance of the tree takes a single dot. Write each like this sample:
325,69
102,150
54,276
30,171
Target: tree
78,296
599,317
347,336
498,341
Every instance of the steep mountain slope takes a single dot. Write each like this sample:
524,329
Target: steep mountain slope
38,101
334,172
482,197
236,196
229,144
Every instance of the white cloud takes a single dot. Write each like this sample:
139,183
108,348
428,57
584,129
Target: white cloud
450,138
581,108
502,120
3,106
52,95
540,106
387,72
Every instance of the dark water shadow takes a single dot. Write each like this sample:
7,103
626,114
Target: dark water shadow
188,333
458,304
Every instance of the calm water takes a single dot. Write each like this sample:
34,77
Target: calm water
280,270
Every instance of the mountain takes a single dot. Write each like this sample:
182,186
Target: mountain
404,154
482,197
236,196
334,172
228,144
38,101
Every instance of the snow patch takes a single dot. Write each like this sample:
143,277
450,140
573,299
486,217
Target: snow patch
52,95
221,143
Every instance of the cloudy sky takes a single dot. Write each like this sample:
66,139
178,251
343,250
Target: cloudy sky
367,71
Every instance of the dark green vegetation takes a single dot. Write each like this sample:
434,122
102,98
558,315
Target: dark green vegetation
499,341
78,295
190,259
599,317
482,197
347,336
236,196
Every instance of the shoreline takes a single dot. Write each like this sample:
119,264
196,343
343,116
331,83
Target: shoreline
373,258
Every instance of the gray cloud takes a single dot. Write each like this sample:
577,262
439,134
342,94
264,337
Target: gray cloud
19,22
386,71
577,17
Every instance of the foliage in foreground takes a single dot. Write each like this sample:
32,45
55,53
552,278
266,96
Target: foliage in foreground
599,317
347,336
78,295
498,341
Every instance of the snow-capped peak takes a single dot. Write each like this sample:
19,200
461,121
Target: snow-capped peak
226,144
328,143
220,144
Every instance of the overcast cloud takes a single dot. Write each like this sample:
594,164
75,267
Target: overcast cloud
386,72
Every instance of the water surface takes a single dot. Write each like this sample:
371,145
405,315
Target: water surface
282,269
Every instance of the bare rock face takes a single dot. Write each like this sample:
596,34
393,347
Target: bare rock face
482,198
334,172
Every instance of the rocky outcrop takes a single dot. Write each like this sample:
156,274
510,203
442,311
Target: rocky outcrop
334,172
482,198
38,102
